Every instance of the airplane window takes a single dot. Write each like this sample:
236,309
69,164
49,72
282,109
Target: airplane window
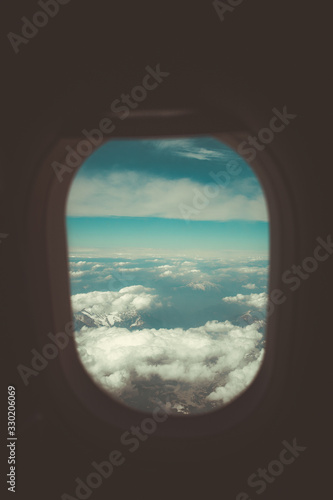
168,245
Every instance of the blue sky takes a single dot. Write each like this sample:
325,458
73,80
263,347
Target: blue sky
148,197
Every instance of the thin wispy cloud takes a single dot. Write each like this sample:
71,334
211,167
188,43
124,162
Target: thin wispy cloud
186,149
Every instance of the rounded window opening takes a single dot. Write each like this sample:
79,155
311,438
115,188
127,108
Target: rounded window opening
168,244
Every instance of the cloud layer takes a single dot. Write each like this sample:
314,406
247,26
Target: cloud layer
218,357
134,194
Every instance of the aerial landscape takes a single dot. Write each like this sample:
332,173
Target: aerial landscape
168,244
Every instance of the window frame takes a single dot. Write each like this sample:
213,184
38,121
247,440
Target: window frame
83,405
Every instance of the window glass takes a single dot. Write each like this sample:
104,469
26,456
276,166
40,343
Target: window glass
168,251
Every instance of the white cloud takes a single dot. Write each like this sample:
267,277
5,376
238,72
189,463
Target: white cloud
77,274
105,278
251,270
257,300
173,144
186,148
202,154
197,286
103,303
245,270
166,273
159,254
130,269
133,194
238,380
201,285
250,286
118,358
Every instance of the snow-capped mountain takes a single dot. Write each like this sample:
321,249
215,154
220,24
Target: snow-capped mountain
129,319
